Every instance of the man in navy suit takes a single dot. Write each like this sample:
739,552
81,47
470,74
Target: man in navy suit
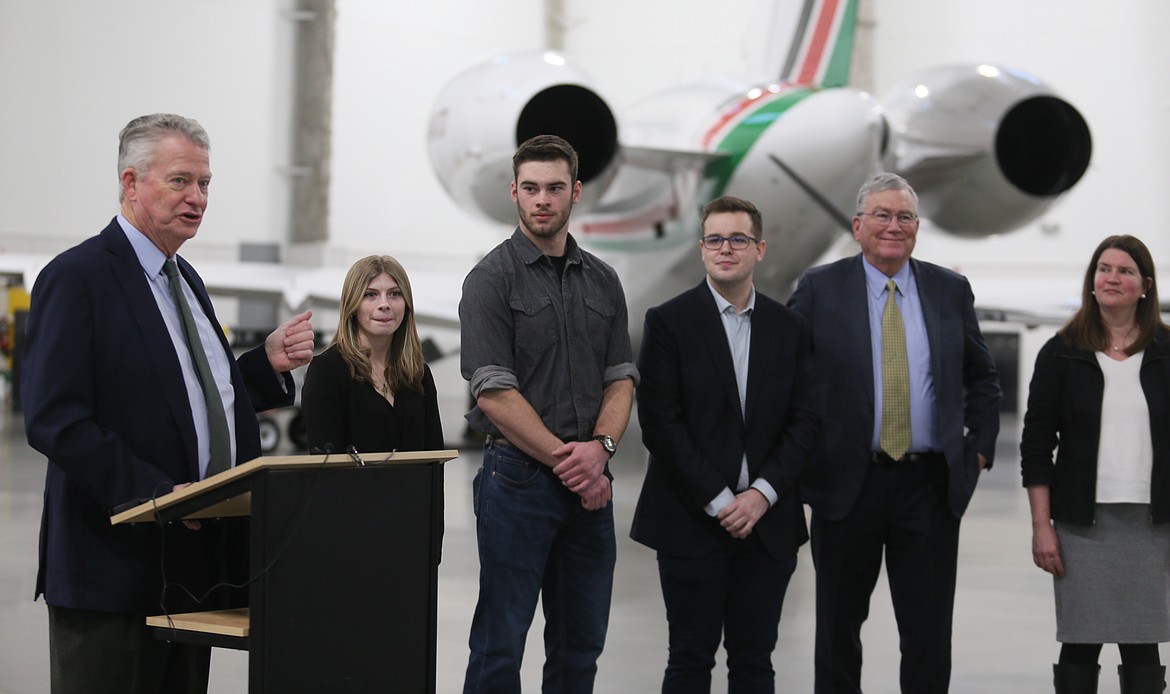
113,398
727,413
902,484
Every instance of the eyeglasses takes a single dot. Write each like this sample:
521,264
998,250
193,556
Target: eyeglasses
738,242
905,219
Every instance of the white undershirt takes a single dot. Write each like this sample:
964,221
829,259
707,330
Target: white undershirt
1125,455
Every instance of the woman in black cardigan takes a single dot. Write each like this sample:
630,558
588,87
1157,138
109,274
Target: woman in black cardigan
370,389
1100,398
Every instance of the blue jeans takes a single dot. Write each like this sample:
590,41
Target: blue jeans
534,537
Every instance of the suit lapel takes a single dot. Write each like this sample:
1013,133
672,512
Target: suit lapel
713,337
146,316
928,298
761,353
856,328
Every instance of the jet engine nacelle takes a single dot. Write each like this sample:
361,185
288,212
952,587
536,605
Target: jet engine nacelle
482,115
988,149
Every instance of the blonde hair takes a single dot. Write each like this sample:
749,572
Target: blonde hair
404,363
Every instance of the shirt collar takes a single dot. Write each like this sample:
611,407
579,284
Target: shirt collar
875,279
529,253
149,256
723,304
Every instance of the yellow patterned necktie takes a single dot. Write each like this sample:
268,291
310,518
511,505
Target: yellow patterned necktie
895,433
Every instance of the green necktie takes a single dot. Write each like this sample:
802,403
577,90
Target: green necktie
895,434
218,436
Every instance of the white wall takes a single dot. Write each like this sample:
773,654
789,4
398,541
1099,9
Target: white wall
74,72
392,59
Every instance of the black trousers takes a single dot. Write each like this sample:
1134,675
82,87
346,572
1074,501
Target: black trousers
902,511
734,593
98,652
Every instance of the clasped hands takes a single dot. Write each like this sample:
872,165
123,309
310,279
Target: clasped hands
739,517
579,467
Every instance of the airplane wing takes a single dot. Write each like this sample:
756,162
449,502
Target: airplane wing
436,285
436,295
670,160
436,288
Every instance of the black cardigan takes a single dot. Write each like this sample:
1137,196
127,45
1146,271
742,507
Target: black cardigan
342,412
1064,414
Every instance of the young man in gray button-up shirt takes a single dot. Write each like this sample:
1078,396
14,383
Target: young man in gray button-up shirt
546,350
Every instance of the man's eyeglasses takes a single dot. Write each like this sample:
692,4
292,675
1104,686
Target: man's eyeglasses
905,219
738,242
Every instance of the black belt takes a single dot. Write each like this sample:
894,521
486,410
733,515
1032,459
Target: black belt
883,458
500,441
490,440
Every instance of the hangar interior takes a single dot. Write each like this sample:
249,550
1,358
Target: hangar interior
68,88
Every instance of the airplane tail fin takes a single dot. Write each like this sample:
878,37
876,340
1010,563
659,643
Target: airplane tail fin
820,49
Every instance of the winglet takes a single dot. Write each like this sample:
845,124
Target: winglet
821,47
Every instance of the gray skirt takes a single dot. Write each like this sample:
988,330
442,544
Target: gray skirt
1116,584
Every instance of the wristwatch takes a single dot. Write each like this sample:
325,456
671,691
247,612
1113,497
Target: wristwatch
607,443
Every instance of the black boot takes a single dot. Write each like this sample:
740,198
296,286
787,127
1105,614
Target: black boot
1075,678
1142,679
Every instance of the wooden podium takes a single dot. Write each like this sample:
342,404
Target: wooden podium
344,560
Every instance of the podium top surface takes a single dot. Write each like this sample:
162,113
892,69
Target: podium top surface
240,504
233,622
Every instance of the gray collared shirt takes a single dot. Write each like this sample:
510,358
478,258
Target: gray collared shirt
558,340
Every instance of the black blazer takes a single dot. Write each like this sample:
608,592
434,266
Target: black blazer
1064,414
340,411
689,410
966,384
105,401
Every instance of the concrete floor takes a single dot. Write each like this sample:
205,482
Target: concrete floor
1004,624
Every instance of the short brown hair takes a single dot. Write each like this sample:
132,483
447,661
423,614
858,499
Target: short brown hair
730,203
545,148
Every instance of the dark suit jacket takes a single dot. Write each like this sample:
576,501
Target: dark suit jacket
105,401
688,407
966,384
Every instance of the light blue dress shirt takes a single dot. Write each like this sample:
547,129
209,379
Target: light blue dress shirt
917,354
152,259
